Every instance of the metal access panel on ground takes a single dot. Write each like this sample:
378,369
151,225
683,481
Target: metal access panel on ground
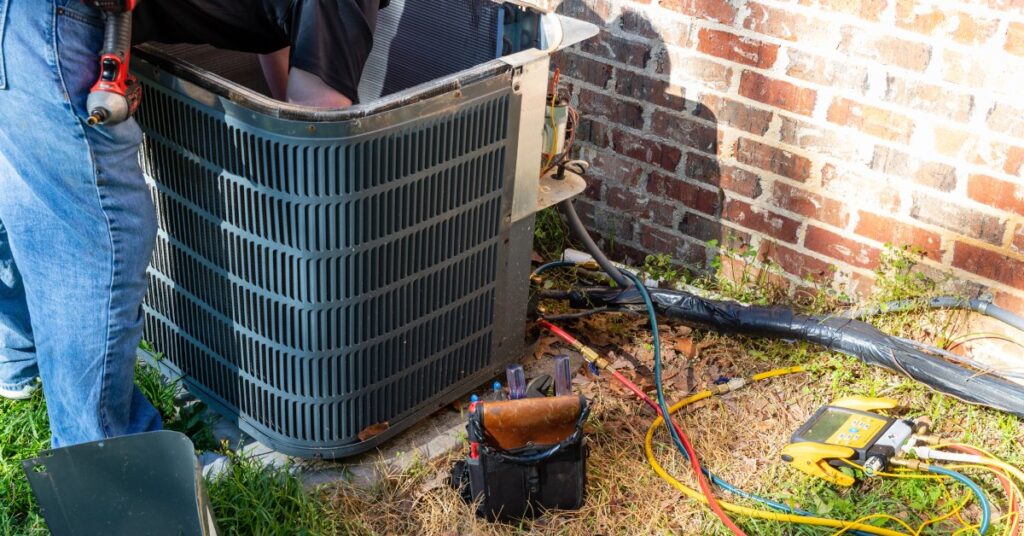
320,272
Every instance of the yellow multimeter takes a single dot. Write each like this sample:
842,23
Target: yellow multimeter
847,431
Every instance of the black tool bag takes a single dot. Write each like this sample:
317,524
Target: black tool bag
526,456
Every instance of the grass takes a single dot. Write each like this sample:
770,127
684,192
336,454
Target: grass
24,431
738,436
247,498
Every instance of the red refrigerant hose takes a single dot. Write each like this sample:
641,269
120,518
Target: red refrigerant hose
603,364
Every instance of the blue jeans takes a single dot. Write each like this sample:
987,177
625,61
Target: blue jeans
77,227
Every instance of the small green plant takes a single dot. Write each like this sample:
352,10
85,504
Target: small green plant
742,276
252,499
897,278
191,419
551,235
660,268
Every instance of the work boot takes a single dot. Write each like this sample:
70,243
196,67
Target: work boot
23,393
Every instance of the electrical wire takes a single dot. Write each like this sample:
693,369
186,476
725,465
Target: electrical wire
936,453
743,510
984,307
682,442
581,233
550,266
983,502
959,341
591,356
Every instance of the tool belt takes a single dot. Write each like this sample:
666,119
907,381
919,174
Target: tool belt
526,456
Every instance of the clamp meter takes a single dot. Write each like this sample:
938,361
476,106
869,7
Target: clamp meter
847,431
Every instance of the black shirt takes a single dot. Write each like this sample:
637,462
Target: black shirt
329,38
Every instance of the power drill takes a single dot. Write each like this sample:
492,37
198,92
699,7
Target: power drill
116,94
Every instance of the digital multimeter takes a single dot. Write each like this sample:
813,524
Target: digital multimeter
847,431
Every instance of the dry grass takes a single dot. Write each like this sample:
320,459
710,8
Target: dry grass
738,436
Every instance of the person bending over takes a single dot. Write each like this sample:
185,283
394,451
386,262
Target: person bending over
312,51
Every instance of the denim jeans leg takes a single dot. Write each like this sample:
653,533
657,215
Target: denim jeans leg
17,351
80,222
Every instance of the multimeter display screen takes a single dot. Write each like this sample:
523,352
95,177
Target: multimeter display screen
826,425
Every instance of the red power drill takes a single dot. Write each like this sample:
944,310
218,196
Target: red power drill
116,94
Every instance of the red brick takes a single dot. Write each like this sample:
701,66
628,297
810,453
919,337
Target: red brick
1014,164
824,139
594,11
973,148
846,184
702,229
772,159
688,65
871,120
785,24
616,170
575,66
785,95
796,263
890,231
826,71
593,132
686,132
690,195
616,48
997,193
760,220
1007,118
645,88
865,9
885,49
1010,302
1017,241
929,98
722,110
658,240
641,208
809,204
893,162
709,171
659,154
1015,38
989,264
719,10
956,218
841,248
636,22
612,108
737,49
932,18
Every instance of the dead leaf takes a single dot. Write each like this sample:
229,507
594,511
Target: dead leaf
536,257
686,347
373,430
545,346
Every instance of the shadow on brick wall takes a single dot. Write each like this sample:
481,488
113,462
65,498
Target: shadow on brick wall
655,184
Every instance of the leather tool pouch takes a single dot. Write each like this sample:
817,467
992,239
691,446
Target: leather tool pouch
529,455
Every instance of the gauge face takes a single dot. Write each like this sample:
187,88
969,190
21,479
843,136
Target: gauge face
839,426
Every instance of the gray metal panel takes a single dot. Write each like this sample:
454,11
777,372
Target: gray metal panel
139,484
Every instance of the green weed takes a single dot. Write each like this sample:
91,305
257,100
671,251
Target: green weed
253,500
551,234
24,431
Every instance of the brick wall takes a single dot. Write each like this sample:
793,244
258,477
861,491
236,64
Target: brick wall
813,130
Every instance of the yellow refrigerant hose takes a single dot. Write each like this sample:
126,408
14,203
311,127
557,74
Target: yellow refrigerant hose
743,510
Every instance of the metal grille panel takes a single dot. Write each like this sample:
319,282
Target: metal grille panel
314,286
